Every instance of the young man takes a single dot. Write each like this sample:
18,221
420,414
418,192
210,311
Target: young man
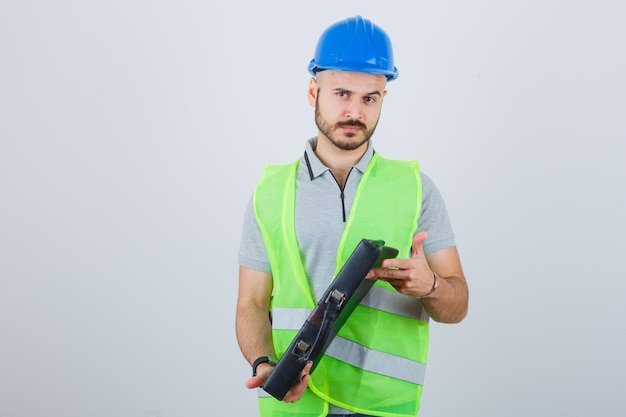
305,219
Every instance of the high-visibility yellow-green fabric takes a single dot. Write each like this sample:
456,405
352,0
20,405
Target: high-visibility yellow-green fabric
386,207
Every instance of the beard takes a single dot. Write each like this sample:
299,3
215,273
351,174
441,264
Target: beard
345,144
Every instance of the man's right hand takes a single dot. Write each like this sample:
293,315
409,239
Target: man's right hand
296,391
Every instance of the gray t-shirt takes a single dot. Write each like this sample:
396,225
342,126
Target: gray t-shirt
320,219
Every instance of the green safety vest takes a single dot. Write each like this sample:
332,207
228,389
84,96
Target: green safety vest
376,363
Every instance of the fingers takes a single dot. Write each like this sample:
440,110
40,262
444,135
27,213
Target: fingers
391,268
297,390
405,275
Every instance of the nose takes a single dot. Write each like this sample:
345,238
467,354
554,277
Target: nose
354,110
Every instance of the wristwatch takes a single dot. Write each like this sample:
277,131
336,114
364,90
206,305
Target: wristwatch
262,359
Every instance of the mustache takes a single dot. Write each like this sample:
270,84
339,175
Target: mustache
352,123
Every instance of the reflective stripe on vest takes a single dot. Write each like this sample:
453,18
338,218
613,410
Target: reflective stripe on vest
375,370
260,392
377,362
378,298
395,303
353,353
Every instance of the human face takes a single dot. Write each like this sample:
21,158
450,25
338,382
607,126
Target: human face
347,106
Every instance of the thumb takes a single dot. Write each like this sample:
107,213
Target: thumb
254,382
418,241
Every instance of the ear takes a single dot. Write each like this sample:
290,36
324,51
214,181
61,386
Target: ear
312,92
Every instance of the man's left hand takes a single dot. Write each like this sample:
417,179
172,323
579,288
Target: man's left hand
409,276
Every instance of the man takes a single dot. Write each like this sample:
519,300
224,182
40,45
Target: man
305,219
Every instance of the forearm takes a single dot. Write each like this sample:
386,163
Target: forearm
254,332
252,322
449,302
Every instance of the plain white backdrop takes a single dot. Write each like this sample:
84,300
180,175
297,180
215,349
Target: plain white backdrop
132,134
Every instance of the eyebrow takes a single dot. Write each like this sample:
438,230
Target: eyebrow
372,93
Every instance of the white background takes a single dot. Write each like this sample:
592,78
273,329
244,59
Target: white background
133,132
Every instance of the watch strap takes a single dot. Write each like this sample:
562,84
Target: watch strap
258,361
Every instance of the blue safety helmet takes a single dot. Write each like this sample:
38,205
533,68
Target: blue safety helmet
357,45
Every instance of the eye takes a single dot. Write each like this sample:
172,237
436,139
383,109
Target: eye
369,100
342,94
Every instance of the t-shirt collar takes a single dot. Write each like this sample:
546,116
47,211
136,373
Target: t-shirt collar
317,168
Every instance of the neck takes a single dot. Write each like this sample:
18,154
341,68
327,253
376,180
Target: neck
339,161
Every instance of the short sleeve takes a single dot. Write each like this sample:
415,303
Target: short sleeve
252,253
434,218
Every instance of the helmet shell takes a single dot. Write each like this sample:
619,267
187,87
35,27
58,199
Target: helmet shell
356,45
